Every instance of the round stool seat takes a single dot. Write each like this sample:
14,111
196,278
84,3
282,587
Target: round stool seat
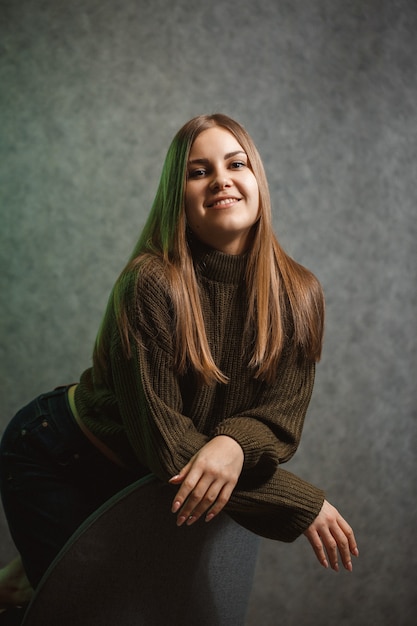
130,565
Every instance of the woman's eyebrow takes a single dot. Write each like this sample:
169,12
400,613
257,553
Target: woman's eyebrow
229,155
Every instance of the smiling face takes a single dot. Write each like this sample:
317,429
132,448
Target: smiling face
221,194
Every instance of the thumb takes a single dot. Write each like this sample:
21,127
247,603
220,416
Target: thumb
178,478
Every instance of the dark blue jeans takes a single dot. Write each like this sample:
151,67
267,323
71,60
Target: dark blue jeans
51,478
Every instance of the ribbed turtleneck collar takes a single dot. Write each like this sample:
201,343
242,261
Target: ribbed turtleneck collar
216,265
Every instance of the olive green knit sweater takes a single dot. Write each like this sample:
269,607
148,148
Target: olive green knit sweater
156,421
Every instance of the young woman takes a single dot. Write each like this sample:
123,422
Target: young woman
202,371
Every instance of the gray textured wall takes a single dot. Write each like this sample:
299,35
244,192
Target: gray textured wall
91,93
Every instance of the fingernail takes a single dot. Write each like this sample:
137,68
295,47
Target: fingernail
191,520
174,478
355,552
209,517
325,563
336,567
349,566
176,506
181,520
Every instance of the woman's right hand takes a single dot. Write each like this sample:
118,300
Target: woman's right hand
330,534
208,480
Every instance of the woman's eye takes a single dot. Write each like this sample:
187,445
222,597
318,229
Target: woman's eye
237,165
196,173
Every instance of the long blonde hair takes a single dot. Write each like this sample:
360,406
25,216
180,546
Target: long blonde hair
285,300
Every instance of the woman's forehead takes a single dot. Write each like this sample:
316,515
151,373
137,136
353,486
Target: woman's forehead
216,138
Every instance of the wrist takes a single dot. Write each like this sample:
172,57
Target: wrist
231,443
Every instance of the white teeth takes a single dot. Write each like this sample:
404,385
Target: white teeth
225,201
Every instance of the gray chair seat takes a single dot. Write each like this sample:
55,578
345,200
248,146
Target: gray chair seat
130,565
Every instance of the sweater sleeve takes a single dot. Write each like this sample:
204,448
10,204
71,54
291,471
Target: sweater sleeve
148,389
269,500
270,432
281,507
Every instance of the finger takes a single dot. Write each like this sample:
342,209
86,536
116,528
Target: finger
340,538
205,503
176,480
348,531
213,501
195,493
221,501
317,545
181,495
346,544
331,545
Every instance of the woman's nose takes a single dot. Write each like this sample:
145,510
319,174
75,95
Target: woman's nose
220,181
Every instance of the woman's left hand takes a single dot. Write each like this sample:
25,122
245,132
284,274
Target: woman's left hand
329,534
208,480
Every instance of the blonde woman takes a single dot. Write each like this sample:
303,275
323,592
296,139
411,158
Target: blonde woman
202,371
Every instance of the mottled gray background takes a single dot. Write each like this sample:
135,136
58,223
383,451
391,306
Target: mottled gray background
91,94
